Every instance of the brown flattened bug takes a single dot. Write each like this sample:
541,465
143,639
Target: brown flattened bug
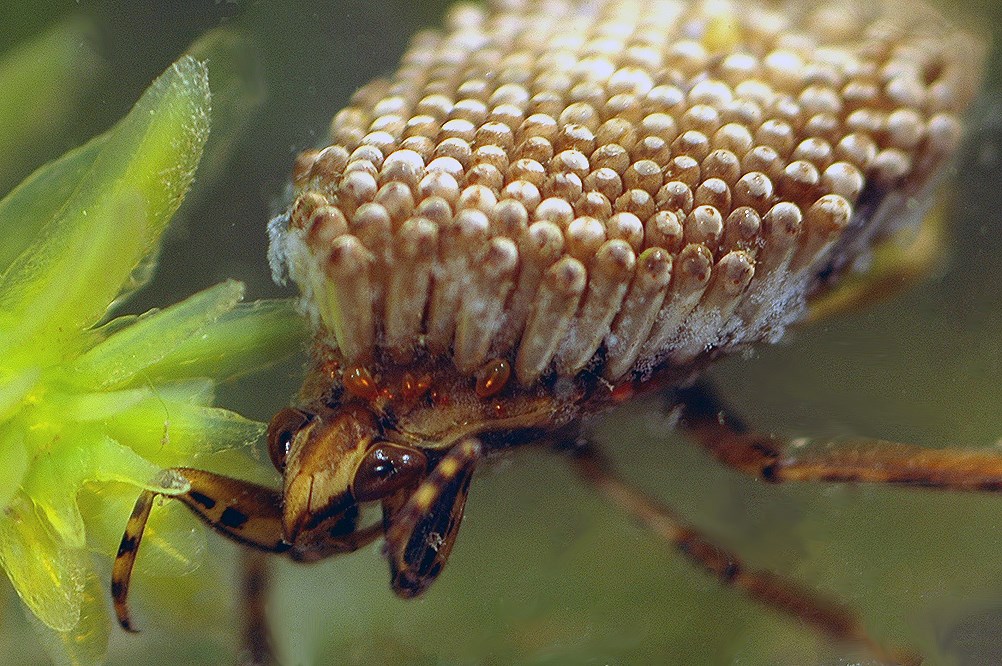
555,206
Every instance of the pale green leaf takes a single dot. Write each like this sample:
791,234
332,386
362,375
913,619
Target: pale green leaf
13,462
40,197
248,338
14,388
170,433
155,335
47,574
99,406
86,407
86,644
64,282
58,474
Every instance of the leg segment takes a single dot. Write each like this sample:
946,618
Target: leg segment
254,595
863,461
334,537
420,535
829,618
245,512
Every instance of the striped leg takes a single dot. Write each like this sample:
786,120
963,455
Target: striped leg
770,458
829,618
251,515
420,535
244,512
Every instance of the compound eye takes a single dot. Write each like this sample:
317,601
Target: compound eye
281,431
385,469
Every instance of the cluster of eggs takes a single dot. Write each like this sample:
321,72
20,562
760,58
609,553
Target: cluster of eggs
618,184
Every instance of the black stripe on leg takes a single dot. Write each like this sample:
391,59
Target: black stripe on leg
129,545
202,499
233,518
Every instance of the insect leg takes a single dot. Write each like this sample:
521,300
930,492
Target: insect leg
254,593
245,512
335,536
421,534
847,461
828,617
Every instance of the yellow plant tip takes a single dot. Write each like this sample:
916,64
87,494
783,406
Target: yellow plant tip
86,643
47,574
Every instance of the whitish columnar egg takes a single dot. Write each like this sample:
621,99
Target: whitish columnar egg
616,184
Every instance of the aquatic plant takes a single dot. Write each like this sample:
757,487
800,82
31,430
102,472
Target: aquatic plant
94,404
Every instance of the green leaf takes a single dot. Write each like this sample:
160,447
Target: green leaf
14,388
99,406
44,82
86,644
13,462
155,335
58,474
170,433
250,337
38,199
47,574
64,282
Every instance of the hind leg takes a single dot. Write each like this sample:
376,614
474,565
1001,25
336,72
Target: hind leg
826,616
771,458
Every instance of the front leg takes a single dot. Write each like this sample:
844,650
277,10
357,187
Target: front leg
826,616
421,533
773,459
244,512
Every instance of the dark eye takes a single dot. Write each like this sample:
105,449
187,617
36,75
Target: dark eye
281,431
385,469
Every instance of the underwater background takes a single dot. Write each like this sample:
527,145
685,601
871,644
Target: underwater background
545,572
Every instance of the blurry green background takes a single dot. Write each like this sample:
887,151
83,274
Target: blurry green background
545,573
